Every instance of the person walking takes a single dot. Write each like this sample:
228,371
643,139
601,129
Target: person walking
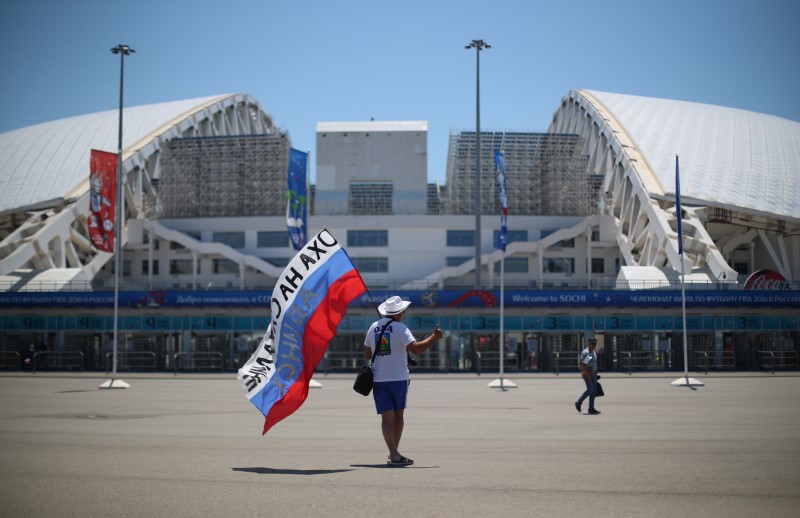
390,369
589,375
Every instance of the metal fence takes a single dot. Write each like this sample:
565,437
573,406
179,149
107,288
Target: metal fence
716,360
772,360
641,361
132,361
9,360
46,360
198,362
490,361
566,361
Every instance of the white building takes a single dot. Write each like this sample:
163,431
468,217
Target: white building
740,190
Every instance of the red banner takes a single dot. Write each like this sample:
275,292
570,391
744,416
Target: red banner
102,199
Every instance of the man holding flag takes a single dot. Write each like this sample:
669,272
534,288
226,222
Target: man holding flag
308,302
390,370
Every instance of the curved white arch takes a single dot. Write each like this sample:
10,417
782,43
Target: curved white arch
647,228
55,234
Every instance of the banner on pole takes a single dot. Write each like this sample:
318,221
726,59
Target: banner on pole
297,196
678,212
102,199
307,304
501,183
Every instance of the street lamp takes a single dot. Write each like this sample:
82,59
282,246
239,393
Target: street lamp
478,45
122,50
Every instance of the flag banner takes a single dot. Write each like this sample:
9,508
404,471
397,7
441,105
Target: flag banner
678,213
307,304
102,199
501,183
296,206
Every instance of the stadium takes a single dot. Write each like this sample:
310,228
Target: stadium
593,242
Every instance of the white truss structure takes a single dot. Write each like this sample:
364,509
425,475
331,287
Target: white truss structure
646,221
57,237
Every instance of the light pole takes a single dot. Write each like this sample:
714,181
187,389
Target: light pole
123,50
478,45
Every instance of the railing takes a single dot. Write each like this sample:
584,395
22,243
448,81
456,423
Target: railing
432,361
212,360
352,361
343,361
9,360
705,360
490,361
641,360
570,361
143,360
57,360
771,360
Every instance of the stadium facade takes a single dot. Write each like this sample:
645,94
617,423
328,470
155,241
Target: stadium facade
593,242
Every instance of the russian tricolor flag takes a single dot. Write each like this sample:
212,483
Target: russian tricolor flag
308,302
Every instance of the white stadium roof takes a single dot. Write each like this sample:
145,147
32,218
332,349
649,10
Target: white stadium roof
728,157
44,163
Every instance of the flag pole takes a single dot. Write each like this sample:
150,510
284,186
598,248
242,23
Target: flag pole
312,383
502,320
501,245
686,381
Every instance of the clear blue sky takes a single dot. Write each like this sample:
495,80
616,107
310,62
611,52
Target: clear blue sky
310,61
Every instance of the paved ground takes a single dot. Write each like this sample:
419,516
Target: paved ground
192,446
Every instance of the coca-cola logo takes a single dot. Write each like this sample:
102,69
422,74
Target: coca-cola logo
766,280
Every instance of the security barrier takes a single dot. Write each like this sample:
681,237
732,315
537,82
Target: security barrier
705,360
343,361
641,360
143,360
46,360
569,361
431,361
203,361
351,361
490,361
771,360
9,360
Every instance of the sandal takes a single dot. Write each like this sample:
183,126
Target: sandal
402,461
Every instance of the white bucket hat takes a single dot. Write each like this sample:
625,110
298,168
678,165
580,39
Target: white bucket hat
393,306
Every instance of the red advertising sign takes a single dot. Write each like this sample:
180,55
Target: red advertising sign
102,199
766,280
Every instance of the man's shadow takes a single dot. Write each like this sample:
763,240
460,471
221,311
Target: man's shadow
277,471
274,471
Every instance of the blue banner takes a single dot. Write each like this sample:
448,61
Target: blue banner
678,213
424,299
297,198
501,183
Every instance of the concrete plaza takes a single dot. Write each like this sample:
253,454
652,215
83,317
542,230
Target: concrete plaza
192,446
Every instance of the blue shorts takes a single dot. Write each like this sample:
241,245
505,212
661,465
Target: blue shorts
390,395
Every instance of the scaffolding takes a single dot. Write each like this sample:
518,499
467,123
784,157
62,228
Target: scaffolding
545,174
224,176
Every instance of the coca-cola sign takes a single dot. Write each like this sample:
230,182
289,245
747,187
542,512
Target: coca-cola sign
766,280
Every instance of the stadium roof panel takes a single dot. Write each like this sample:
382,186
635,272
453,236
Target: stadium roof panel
728,157
44,162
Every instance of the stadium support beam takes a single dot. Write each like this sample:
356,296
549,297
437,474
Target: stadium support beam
646,231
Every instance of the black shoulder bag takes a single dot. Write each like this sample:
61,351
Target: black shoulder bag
364,382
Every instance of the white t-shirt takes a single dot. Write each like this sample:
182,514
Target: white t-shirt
590,359
391,362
